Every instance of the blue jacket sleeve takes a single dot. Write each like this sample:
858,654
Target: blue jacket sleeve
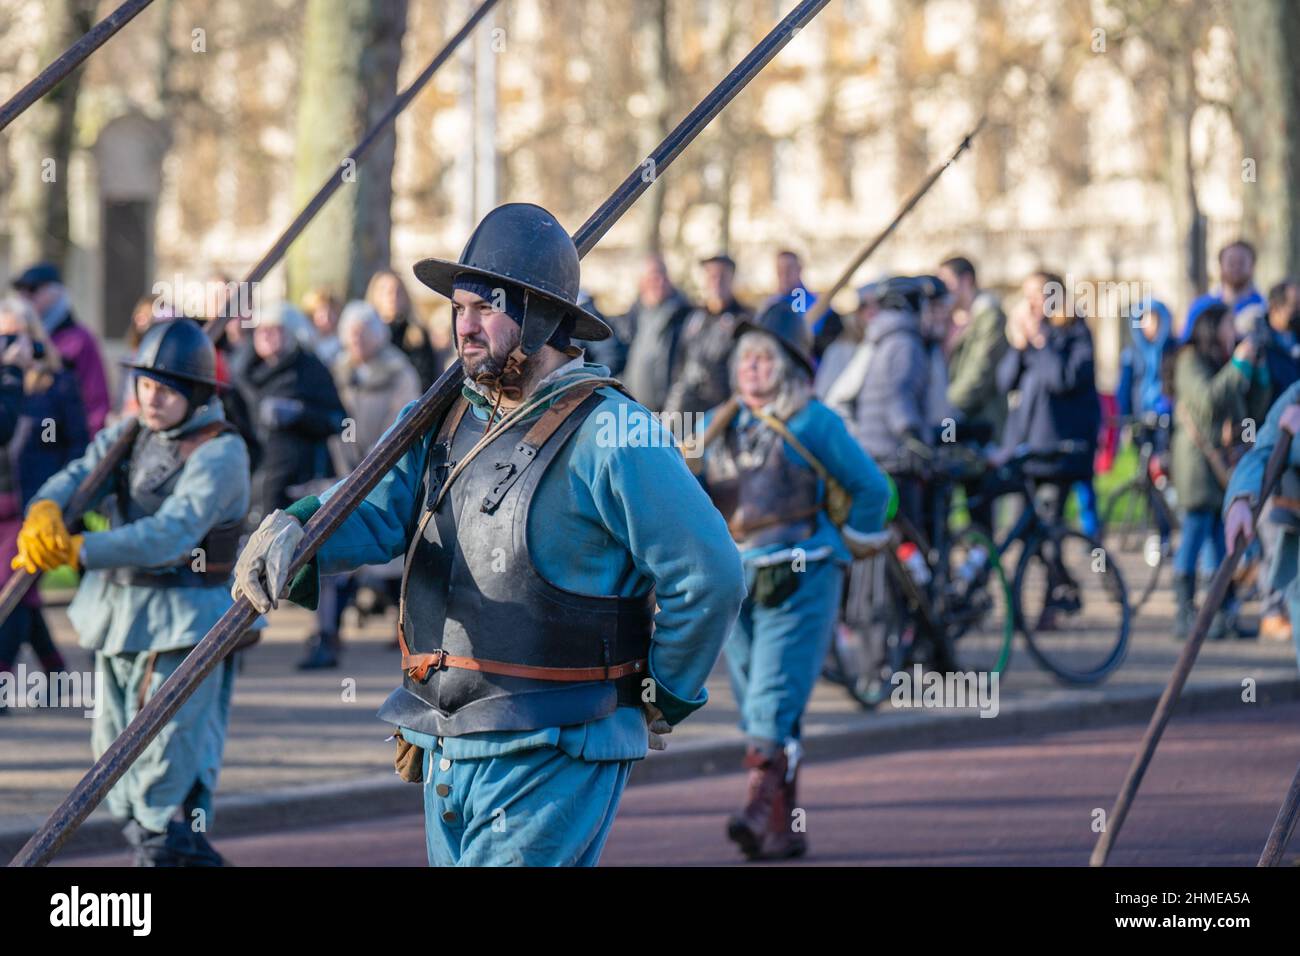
826,436
376,530
652,505
1248,476
212,487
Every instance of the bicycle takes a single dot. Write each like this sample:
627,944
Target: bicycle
1137,517
943,613
944,604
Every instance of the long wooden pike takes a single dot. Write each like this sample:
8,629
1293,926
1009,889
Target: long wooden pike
225,634
824,302
1280,835
86,492
1277,463
70,59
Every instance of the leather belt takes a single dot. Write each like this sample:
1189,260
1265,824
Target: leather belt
418,665
1289,504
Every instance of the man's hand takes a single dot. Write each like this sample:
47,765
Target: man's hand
656,726
1245,350
263,566
1239,522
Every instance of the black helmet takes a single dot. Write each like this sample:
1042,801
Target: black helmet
523,245
788,327
178,348
910,293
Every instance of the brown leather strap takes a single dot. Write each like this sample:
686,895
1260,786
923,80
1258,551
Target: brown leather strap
1289,504
143,695
452,421
188,443
418,665
742,530
1222,473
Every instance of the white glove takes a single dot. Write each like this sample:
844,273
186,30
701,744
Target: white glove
263,566
862,545
656,726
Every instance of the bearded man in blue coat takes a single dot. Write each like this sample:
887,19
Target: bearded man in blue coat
566,589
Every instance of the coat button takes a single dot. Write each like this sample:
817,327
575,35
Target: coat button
449,816
442,789
444,764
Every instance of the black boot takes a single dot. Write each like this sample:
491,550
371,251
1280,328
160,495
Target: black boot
1185,607
178,846
748,828
322,653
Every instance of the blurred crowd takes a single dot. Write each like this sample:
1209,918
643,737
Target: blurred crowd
313,388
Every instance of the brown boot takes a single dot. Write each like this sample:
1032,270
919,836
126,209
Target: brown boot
782,841
766,781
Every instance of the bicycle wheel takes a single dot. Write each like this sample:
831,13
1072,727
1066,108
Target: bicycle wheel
1131,523
980,617
1072,605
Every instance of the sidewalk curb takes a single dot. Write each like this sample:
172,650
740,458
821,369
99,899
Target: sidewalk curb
384,795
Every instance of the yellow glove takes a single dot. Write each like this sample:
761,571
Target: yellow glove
48,560
43,541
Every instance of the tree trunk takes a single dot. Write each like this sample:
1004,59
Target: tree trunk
1268,119
351,53
658,88
40,206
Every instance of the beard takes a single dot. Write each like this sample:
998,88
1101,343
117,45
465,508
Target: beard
490,362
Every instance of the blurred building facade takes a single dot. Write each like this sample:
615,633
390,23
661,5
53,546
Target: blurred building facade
185,141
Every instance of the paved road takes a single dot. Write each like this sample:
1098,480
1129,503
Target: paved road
45,752
1209,799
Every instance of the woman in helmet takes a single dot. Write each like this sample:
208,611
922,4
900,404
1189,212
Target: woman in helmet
784,471
155,582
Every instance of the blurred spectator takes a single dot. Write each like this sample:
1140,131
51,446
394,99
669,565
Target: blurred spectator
1212,394
705,343
375,381
791,289
1237,287
847,355
654,326
45,430
889,408
610,352
387,294
42,286
975,344
1050,367
936,323
1278,337
322,307
1146,361
293,405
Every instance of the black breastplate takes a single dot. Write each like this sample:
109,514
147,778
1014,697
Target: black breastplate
471,590
765,496
148,479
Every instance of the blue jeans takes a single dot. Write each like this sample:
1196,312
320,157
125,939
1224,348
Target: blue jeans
1201,529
